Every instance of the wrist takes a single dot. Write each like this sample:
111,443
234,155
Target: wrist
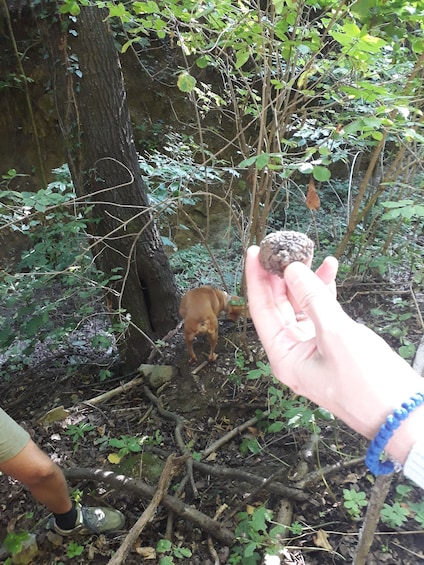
379,395
409,433
386,442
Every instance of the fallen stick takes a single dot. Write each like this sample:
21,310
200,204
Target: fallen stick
315,477
200,367
379,493
181,422
240,475
230,435
59,413
170,469
269,484
115,391
186,512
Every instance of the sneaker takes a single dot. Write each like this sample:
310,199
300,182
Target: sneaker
92,520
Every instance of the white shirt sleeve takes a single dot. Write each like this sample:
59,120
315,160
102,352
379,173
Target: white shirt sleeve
414,465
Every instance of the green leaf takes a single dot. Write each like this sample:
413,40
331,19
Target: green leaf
13,541
405,208
163,546
6,335
181,552
167,560
36,322
203,62
186,82
147,7
275,427
351,29
248,162
242,57
407,351
394,515
262,160
115,442
260,515
74,549
321,173
354,126
377,135
249,550
391,214
396,204
127,44
70,7
412,135
117,10
419,210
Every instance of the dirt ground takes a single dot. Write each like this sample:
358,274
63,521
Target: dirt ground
213,409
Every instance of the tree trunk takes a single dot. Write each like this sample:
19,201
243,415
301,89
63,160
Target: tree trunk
91,101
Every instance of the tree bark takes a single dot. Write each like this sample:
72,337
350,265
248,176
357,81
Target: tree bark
95,123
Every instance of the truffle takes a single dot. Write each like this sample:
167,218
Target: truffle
279,249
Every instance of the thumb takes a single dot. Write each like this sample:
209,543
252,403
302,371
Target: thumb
312,295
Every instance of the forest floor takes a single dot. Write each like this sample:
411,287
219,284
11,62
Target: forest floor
213,410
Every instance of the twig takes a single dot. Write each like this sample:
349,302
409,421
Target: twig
231,473
264,484
417,307
101,398
181,444
115,391
200,367
269,484
316,476
378,496
155,351
192,515
170,469
211,547
180,421
170,520
228,437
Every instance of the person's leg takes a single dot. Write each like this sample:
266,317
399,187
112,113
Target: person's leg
21,459
33,468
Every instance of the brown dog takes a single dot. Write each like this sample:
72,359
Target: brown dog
200,308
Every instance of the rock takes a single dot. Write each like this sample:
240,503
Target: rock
158,374
27,552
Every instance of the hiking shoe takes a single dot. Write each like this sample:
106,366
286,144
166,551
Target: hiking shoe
92,520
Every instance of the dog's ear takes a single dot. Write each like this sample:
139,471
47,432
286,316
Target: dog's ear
237,307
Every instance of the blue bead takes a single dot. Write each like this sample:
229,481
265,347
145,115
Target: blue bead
386,431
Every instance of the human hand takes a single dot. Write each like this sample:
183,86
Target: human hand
316,349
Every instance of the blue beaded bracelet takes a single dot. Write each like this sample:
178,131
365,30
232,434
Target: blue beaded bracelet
386,431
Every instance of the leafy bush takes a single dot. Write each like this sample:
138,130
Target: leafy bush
256,534
174,179
55,286
194,266
354,502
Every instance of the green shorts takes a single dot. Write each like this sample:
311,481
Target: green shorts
13,438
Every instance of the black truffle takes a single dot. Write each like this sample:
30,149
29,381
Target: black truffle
279,249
